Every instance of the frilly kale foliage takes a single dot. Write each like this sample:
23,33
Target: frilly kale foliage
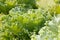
29,19
49,32
20,26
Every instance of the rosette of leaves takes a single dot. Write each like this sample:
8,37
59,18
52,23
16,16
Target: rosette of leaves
51,31
20,27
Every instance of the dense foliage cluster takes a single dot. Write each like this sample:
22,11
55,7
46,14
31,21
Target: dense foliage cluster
29,19
51,31
20,24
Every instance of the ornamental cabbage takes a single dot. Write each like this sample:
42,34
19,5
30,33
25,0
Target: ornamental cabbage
20,26
51,31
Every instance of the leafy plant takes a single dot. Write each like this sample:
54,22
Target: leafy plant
51,30
17,26
29,19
